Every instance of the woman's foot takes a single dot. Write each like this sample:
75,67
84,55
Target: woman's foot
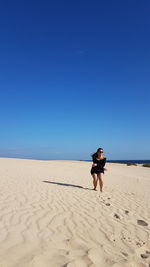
94,189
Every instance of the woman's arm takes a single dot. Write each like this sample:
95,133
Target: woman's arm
104,164
94,163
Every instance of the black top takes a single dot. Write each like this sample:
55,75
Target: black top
100,165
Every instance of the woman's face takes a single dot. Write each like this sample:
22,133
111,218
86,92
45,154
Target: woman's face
100,152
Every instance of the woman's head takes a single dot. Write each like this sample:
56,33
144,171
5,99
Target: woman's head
98,153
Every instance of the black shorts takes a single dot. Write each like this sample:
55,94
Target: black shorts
97,171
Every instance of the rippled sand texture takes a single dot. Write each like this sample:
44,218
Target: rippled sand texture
50,217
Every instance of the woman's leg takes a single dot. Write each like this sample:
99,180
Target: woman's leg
100,176
94,180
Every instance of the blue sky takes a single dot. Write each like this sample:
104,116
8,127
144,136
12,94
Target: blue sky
74,76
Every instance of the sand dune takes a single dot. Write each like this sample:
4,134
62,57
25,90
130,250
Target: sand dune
50,217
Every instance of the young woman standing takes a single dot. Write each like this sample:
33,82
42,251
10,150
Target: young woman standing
97,170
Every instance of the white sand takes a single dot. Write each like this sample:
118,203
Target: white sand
47,224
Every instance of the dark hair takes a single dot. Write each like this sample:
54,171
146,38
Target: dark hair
95,155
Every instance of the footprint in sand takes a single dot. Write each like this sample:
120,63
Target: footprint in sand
125,254
107,204
144,256
139,244
116,216
141,222
126,212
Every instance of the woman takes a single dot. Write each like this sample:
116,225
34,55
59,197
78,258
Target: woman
97,169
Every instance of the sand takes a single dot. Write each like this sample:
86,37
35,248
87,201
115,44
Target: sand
50,217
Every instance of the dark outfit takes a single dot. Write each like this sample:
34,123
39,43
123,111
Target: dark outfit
100,166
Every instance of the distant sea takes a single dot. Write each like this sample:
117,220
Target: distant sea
126,161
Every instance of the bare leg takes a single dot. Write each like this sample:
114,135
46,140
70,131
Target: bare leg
94,180
100,176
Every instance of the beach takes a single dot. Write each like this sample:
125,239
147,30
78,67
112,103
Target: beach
51,217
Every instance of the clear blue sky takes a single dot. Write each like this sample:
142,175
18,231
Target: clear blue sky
75,76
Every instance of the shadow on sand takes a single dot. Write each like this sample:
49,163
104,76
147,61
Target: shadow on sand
72,185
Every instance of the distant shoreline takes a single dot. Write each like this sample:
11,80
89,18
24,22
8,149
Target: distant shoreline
125,161
110,161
